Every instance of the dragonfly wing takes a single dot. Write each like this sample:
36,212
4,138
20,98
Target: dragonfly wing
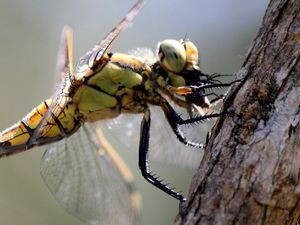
64,57
146,55
64,77
172,150
164,146
86,183
93,57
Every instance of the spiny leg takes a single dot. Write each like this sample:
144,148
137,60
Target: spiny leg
143,159
193,89
175,121
217,98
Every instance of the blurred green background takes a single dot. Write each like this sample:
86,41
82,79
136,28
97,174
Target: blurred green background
29,39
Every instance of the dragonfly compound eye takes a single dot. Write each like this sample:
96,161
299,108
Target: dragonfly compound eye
172,55
192,55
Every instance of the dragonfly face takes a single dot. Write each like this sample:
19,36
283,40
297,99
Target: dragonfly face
103,85
180,60
172,55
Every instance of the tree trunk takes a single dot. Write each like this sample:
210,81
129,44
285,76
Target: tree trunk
250,171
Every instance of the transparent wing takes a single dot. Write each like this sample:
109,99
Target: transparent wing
63,79
93,57
64,58
164,146
146,55
65,73
86,182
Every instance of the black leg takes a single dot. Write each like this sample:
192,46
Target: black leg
216,97
197,89
175,120
143,159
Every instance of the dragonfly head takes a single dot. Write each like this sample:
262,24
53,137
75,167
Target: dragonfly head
180,61
175,56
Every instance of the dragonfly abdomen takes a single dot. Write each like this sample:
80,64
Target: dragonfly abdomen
19,137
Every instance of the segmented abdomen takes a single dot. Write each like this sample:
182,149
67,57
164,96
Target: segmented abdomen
19,137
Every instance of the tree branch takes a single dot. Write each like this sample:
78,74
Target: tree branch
250,170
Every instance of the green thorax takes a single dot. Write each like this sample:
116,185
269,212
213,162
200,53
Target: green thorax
112,88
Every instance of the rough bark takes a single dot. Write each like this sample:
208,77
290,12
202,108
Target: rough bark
250,170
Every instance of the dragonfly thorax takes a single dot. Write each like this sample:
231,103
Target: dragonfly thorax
113,89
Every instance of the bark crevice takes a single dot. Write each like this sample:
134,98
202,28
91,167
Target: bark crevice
250,170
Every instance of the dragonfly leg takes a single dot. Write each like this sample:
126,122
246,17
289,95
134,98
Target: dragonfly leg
175,121
196,89
217,98
192,89
143,159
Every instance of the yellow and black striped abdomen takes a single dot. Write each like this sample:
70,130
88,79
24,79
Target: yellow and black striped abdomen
19,137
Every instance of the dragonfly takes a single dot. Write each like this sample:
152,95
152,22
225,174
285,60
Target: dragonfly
80,167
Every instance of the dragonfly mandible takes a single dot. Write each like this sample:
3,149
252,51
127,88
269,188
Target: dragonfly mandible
80,168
